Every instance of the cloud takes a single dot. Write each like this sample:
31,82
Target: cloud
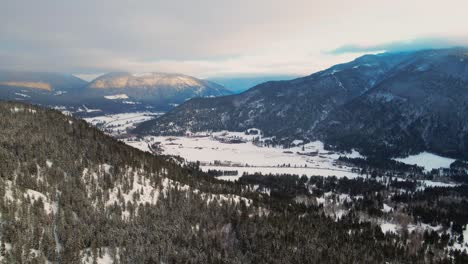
205,38
400,46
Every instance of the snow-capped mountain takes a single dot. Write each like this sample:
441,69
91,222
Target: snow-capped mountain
405,102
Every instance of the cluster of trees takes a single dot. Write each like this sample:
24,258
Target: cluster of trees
216,173
375,166
71,193
446,206
409,202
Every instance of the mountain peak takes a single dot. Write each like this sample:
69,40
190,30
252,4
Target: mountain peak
118,80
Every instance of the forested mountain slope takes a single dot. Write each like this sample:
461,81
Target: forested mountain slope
71,194
280,108
422,105
405,102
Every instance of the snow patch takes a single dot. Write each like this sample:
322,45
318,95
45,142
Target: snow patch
386,208
119,123
427,160
388,228
117,96
23,95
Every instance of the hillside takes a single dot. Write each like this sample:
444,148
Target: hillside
420,106
397,98
71,194
285,109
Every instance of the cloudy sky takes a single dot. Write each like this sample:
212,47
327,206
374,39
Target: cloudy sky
207,38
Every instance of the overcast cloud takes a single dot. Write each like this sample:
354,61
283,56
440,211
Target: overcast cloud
209,38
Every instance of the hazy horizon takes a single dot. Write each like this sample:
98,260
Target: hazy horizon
210,38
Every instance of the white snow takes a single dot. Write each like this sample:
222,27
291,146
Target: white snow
427,160
150,194
320,200
49,207
421,227
141,74
297,142
465,238
388,227
106,258
23,95
116,96
428,183
87,110
215,151
119,123
20,109
130,102
386,208
464,245
216,147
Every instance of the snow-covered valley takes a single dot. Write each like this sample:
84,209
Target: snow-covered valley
246,152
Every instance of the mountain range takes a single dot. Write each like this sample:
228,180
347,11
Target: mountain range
389,104
109,93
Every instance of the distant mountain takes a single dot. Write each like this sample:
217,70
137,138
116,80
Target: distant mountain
155,88
238,84
386,104
109,93
40,81
42,88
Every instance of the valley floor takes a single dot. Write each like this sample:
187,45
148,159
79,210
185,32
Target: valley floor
238,153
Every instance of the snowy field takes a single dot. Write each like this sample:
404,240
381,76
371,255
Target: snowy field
118,124
217,152
427,160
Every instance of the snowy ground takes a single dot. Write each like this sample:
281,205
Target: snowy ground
216,151
118,124
427,160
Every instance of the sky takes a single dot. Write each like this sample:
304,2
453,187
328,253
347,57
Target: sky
211,38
